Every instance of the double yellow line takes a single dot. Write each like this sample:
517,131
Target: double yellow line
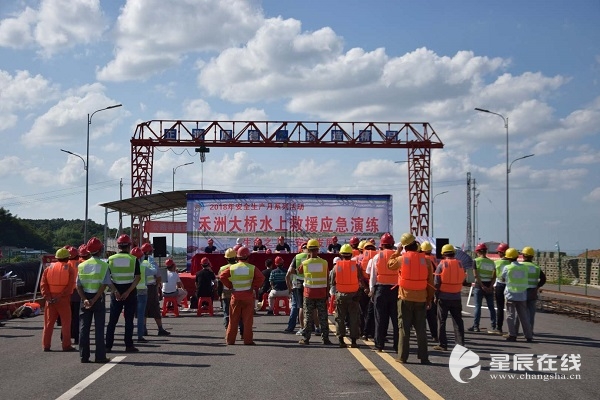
383,381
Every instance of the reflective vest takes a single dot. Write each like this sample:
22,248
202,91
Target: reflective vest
298,259
385,276
58,277
516,277
414,271
226,290
346,276
315,273
452,276
144,265
91,274
367,255
122,268
242,275
485,268
533,273
355,252
150,272
500,264
433,259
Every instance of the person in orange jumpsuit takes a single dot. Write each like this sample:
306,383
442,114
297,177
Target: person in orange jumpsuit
57,285
243,278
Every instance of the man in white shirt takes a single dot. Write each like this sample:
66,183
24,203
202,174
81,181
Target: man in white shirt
173,285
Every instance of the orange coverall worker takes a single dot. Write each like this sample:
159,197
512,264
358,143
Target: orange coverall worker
58,282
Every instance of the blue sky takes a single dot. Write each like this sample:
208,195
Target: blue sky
536,62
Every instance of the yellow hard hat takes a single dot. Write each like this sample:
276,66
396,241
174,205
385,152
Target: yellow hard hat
448,248
426,246
406,239
62,254
313,244
362,244
230,253
346,249
528,251
511,253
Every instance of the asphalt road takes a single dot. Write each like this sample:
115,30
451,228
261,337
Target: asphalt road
194,363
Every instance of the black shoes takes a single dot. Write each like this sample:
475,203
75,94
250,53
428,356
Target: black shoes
162,332
142,340
131,349
102,360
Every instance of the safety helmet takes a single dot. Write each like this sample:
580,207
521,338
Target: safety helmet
147,248
210,241
361,245
268,251
94,245
280,238
334,239
336,259
124,240
237,247
73,253
502,247
230,253
528,251
511,253
204,262
62,254
243,253
386,239
303,246
258,241
137,252
169,262
481,247
346,249
406,239
448,249
426,246
312,244
278,260
83,251
239,241
354,241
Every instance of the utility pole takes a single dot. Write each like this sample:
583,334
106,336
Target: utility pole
469,230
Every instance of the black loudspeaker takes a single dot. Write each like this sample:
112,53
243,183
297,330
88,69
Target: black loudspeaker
160,246
439,243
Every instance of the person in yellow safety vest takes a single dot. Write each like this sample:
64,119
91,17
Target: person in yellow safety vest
75,299
432,312
56,287
315,271
516,277
295,283
535,279
367,309
92,280
125,276
448,280
485,276
349,281
499,286
142,294
243,279
415,295
223,292
383,289
153,285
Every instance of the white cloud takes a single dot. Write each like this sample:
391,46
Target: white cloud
9,165
120,168
593,196
16,32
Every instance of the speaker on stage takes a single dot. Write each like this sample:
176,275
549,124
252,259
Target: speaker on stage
160,246
439,243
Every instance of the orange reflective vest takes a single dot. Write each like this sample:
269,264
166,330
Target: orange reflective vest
385,276
452,276
58,277
346,276
355,252
75,265
414,271
367,255
433,259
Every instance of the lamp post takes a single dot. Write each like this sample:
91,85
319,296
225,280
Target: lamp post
87,170
505,119
173,215
517,159
432,202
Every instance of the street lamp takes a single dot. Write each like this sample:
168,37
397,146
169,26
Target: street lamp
433,201
173,215
85,167
517,159
505,119
87,170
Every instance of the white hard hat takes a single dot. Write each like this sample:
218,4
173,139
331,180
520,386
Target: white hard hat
335,260
239,241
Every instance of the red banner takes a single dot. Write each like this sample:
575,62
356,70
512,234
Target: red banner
165,227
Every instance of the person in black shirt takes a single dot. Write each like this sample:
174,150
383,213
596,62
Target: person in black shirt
259,246
206,281
210,248
334,246
266,287
282,245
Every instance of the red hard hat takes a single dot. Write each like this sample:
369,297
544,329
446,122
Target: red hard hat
210,241
204,261
83,251
94,245
334,238
481,247
243,252
124,240
502,247
303,245
278,260
280,238
386,239
257,241
237,247
73,253
147,248
354,241
268,251
137,252
169,262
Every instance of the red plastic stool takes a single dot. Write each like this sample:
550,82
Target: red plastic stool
277,306
184,303
172,300
208,310
331,305
265,301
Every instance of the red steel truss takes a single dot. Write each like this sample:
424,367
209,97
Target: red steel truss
418,137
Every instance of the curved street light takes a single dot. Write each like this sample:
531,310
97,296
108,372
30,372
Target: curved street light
173,213
433,201
517,159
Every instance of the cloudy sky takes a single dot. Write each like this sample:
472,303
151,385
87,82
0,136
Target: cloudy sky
350,60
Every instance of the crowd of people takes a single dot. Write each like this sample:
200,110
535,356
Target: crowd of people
399,282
